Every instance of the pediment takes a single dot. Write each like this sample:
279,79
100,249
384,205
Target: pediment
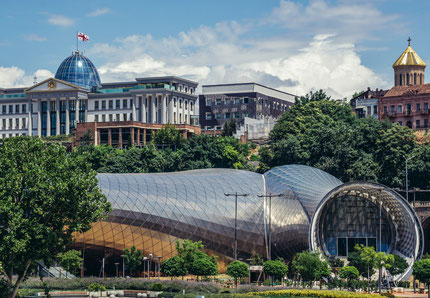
52,84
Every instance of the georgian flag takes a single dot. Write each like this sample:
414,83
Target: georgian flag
83,37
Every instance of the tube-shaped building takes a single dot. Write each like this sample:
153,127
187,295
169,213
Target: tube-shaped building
316,211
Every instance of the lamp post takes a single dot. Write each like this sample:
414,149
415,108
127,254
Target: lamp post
116,265
270,196
406,176
123,266
235,218
149,264
159,266
144,266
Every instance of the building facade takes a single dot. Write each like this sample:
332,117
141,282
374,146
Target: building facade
316,211
219,104
366,103
58,105
407,103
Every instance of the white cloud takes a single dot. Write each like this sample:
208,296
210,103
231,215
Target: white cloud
292,59
60,20
99,12
34,37
16,77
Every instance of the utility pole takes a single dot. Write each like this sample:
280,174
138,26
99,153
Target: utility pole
270,196
235,218
406,174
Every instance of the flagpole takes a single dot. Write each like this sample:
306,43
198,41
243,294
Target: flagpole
77,46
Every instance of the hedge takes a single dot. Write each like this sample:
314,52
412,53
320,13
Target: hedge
313,293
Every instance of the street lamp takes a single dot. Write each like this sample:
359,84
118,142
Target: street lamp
149,264
144,265
123,266
116,265
159,266
406,172
270,196
235,218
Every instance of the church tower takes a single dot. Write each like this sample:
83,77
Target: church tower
409,68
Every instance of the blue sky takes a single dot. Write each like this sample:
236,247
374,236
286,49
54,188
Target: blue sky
296,46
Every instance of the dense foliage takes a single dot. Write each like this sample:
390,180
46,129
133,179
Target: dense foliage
398,266
70,260
312,293
311,266
237,270
422,272
133,258
325,134
174,267
276,269
46,196
198,152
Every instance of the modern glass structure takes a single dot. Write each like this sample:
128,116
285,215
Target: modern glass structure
317,211
79,70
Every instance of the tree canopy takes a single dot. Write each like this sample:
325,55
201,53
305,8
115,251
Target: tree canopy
237,270
174,266
133,258
324,133
46,196
70,260
276,268
311,266
422,272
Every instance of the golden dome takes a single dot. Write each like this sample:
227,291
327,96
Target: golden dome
409,57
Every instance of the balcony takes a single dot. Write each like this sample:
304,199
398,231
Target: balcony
425,112
392,115
408,113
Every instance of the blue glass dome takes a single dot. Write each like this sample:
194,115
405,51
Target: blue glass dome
79,70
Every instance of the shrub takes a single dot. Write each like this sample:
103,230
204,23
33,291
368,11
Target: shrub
314,293
388,295
157,286
95,287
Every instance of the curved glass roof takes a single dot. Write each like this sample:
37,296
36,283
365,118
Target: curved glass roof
79,70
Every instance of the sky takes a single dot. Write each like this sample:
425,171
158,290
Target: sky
298,46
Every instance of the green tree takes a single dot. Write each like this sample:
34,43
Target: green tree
399,265
382,260
169,135
203,265
189,250
229,128
311,266
237,270
256,259
368,258
174,266
46,196
350,273
421,271
132,258
355,259
276,269
71,261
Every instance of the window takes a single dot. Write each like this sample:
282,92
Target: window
400,80
218,101
96,105
218,115
415,78
208,102
245,114
110,117
24,122
227,101
118,117
124,103
96,118
16,122
24,108
10,109
418,107
110,104
4,123
426,123
10,123
236,115
237,100
375,110
4,109
246,100
393,109
407,79
369,110
186,105
341,247
399,109
125,117
118,104
103,118
180,103
385,110
227,116
426,107
417,124
191,106
208,116
103,105
131,103
174,102
16,109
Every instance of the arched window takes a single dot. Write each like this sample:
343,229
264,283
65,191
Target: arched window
421,79
400,79
407,79
415,78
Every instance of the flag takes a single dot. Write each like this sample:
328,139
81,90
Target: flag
83,37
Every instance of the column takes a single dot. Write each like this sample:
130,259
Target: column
170,110
39,118
138,136
144,136
48,118
97,137
67,116
133,109
120,137
57,110
109,136
30,119
163,109
76,113
153,111
143,109
132,137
